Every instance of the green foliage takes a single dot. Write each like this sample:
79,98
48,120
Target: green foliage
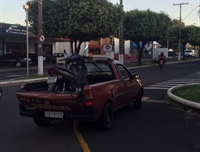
78,20
193,34
189,34
145,26
191,93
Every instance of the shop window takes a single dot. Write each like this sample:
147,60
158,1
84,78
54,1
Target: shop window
15,48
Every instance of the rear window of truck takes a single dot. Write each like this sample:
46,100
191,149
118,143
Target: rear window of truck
100,68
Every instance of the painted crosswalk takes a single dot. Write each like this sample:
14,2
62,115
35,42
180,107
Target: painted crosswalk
170,83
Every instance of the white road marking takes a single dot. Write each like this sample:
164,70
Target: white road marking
170,83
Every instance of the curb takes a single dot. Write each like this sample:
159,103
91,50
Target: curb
181,100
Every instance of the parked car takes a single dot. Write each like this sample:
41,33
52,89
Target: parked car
13,59
173,54
90,91
33,57
54,57
190,53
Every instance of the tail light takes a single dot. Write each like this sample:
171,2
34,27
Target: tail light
51,71
88,97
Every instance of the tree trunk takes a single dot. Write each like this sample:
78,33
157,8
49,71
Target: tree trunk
71,45
75,46
140,49
140,56
183,47
79,47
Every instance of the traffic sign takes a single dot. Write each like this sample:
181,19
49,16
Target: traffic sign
42,38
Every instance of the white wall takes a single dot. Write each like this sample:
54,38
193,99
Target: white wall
59,47
156,52
126,46
116,45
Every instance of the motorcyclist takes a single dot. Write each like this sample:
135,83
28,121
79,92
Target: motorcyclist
161,57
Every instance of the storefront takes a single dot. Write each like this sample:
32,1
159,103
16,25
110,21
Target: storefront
13,40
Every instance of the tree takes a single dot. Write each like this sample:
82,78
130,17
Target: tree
189,34
145,26
78,20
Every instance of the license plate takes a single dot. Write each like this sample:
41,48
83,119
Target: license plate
52,80
52,114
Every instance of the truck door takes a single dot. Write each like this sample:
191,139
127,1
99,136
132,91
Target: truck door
128,84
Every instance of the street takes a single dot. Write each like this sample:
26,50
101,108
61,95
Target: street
156,127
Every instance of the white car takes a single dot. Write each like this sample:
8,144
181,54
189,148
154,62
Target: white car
189,53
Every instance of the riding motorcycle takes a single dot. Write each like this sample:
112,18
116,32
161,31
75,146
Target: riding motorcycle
161,63
1,93
68,79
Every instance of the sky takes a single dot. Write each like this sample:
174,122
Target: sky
11,11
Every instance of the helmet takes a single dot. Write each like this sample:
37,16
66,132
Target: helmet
161,53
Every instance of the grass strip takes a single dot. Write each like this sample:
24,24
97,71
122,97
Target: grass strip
191,93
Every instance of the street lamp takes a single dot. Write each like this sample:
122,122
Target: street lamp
26,7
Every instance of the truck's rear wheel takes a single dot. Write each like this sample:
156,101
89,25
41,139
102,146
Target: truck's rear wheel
41,121
138,101
106,118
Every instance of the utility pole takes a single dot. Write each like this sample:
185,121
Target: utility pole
40,39
179,45
121,40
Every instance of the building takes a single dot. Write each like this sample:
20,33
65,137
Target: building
13,40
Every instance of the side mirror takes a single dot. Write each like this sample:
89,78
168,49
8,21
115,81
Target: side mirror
135,76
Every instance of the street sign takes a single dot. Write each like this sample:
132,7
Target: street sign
107,48
42,38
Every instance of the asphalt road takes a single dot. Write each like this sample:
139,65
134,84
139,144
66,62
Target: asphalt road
157,127
11,72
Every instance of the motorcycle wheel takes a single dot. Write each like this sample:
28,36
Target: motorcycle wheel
161,66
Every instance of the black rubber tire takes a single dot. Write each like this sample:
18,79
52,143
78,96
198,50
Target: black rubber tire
160,66
1,93
138,101
41,121
106,118
18,64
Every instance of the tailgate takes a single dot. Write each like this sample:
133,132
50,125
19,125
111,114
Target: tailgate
50,101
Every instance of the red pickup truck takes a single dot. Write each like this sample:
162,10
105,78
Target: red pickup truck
109,86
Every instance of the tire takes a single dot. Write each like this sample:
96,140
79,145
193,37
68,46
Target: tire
18,64
106,118
138,101
41,121
161,66
1,93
